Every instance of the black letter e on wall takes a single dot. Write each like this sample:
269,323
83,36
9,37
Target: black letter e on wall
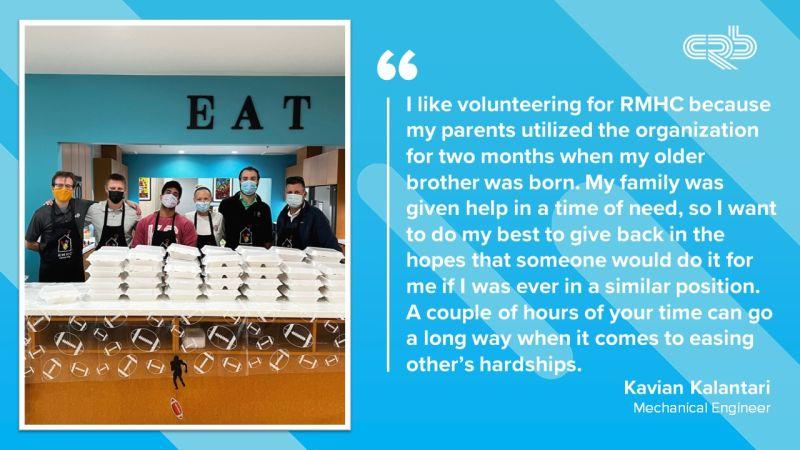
204,112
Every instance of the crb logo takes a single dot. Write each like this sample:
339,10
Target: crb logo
719,49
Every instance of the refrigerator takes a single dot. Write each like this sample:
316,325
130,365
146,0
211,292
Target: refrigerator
324,198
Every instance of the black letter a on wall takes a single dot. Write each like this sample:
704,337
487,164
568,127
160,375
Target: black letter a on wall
249,114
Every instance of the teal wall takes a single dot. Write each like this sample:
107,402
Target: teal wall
210,166
98,109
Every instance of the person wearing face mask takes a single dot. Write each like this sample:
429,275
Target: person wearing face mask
301,225
207,222
165,226
56,232
114,220
247,219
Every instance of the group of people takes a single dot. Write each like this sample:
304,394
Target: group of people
56,229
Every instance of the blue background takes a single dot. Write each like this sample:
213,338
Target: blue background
539,49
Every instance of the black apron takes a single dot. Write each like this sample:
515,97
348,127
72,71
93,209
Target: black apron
62,250
113,236
290,234
205,239
164,238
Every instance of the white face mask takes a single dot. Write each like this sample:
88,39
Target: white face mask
169,201
294,200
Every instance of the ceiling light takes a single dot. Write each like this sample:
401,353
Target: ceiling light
234,151
181,151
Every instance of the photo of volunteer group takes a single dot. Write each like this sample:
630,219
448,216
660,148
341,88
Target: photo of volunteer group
185,224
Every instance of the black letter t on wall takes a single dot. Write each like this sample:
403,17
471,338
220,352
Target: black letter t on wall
297,102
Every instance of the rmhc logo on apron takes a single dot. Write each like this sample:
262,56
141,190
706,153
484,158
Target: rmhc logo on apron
245,237
65,247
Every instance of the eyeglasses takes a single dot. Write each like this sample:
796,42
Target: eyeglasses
62,186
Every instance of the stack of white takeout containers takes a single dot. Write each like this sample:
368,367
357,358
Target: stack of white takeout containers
262,269
222,273
182,278
330,263
60,293
333,281
106,272
301,282
145,270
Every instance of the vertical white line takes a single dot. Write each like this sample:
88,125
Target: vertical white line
348,221
21,222
388,237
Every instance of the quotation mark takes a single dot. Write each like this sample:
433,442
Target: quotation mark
387,70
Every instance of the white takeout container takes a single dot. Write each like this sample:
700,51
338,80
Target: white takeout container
56,294
261,294
324,254
262,272
180,251
299,270
223,283
231,259
300,296
227,295
143,293
263,283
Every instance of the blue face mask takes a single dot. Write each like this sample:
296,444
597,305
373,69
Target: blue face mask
202,206
249,187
